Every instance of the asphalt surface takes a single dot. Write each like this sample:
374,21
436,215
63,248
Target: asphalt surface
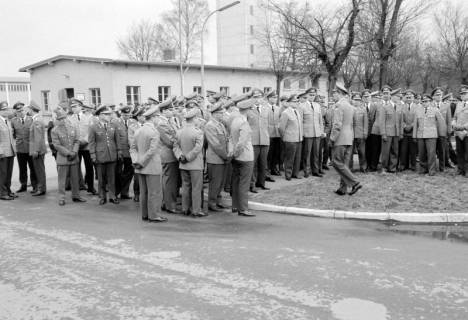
83,261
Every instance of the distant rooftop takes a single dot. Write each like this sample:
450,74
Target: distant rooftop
15,79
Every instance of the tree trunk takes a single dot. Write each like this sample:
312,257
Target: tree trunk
383,76
279,78
331,81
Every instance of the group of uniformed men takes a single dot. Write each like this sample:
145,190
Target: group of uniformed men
234,144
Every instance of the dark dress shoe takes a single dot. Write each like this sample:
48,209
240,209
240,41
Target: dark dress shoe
221,206
144,218
297,177
288,178
78,200
114,201
186,213
264,188
6,198
253,190
33,191
214,209
13,195
269,179
22,189
37,194
82,187
340,192
355,188
199,214
325,168
158,219
317,175
102,201
136,198
93,192
246,214
125,197
61,202
172,211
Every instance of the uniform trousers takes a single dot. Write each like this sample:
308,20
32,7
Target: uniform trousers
70,171
373,149
124,172
150,195
170,173
216,174
260,166
192,187
25,161
311,156
136,185
241,173
325,150
408,152
106,176
6,170
462,155
340,161
427,155
89,173
292,158
390,153
274,155
442,152
228,178
39,170
452,153
359,144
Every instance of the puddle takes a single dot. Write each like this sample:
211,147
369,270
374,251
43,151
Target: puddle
451,233
358,309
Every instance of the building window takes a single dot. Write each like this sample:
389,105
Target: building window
302,84
17,87
133,95
266,89
2,87
95,94
251,49
287,84
164,92
197,89
251,30
225,89
251,10
45,99
245,89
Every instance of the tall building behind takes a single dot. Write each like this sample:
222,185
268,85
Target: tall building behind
239,32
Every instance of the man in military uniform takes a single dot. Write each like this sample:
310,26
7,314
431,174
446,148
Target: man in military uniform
408,146
7,152
442,142
138,122
188,149
145,155
65,138
341,140
360,128
105,149
374,145
124,167
217,154
37,147
21,124
460,127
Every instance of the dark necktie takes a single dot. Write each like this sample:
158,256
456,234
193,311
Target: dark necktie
105,126
126,124
425,109
79,117
22,120
6,121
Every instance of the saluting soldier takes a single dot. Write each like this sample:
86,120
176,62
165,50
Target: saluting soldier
188,149
460,126
65,138
7,152
409,145
124,167
360,128
105,149
274,152
291,131
341,140
442,142
37,147
217,154
21,124
390,128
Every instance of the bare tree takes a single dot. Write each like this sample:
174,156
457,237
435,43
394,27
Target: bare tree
452,25
368,66
323,33
143,42
350,69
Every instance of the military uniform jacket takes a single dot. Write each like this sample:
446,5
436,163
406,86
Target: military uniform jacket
241,139
104,144
312,119
390,120
132,128
82,123
218,142
428,123
145,150
190,144
7,141
37,136
460,118
122,129
342,128
65,139
259,124
273,120
290,127
168,137
360,122
444,109
374,115
21,133
327,120
408,114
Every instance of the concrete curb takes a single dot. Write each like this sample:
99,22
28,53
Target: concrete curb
404,217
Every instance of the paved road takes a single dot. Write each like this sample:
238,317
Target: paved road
90,262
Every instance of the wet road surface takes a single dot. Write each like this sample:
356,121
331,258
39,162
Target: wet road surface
91,262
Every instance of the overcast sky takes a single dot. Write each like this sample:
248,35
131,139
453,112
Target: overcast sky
33,30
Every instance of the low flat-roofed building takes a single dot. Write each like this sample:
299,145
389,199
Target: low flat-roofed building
14,89
99,80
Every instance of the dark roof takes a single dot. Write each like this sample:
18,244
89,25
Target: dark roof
135,63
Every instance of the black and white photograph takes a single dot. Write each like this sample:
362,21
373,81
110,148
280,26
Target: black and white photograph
231,160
